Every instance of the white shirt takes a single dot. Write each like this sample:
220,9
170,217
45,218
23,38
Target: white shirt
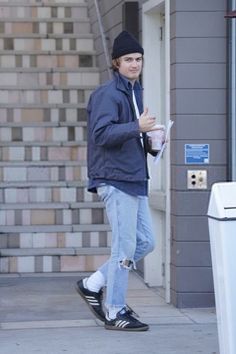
136,111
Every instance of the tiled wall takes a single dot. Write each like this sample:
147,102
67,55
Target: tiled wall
198,96
48,220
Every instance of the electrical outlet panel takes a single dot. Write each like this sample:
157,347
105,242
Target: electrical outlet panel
197,179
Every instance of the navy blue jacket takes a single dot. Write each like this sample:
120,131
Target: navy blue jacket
115,151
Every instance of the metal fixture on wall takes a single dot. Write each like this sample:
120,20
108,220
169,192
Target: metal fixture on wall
197,179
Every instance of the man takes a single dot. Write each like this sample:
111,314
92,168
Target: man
117,171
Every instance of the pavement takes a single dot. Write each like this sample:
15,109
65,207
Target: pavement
43,313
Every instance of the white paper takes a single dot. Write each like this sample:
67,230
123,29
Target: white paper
160,153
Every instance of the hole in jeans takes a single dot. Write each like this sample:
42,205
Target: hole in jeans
127,264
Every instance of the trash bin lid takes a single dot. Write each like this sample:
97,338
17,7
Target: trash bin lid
222,204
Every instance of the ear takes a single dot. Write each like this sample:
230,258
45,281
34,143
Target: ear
115,64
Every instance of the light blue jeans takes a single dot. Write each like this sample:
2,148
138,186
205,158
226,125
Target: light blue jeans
132,239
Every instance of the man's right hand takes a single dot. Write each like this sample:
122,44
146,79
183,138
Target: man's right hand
146,122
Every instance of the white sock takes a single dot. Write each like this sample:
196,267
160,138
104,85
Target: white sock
95,282
112,312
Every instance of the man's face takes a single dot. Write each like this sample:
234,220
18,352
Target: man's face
130,66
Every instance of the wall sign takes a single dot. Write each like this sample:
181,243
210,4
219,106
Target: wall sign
197,154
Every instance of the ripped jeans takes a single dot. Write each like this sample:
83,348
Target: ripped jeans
132,239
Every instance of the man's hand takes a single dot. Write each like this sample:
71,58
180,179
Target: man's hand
146,122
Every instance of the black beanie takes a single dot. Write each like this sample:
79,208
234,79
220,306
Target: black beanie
124,44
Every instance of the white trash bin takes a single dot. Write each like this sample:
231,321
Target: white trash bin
222,229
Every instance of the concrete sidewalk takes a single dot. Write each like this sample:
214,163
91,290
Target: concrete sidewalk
44,314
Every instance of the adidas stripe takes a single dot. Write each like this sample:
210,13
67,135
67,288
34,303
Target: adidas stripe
122,323
92,300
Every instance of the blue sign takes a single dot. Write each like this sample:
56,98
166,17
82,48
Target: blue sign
197,154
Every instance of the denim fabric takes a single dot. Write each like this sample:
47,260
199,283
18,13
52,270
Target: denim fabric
132,239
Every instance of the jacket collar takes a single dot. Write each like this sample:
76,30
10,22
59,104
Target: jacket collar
124,85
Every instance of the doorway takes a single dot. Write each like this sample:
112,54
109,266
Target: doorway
156,74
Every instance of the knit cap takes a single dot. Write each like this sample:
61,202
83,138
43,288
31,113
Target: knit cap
125,43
